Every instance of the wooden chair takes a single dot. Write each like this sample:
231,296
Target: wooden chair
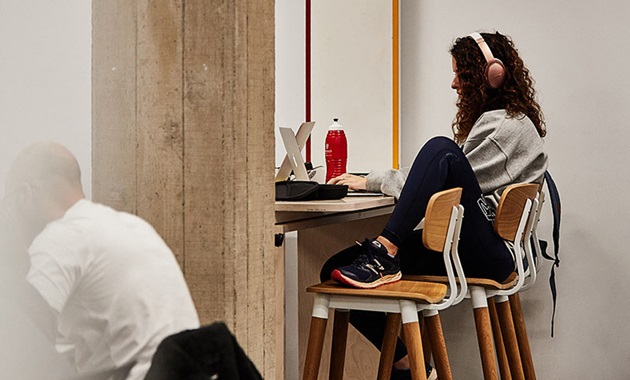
511,221
402,300
530,240
515,311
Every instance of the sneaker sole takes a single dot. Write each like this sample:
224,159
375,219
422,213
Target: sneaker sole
339,277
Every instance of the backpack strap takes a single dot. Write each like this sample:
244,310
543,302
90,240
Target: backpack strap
556,210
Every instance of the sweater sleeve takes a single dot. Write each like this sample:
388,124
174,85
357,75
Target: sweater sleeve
501,150
388,182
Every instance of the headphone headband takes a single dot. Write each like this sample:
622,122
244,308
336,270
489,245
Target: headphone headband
495,70
485,49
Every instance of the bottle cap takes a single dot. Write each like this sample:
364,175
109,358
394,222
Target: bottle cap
335,126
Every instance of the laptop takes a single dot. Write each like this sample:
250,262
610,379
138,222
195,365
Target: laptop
293,162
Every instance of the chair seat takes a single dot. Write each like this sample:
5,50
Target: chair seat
426,292
485,282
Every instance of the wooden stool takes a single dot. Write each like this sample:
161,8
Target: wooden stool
509,314
511,222
401,301
530,239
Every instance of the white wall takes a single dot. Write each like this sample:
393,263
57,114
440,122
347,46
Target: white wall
290,69
45,71
351,76
578,53
352,79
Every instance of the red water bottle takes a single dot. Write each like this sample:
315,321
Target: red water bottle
336,151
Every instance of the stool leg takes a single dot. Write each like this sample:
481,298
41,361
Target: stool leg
504,365
438,345
338,351
388,349
316,337
413,339
521,335
484,332
414,350
314,348
509,337
426,343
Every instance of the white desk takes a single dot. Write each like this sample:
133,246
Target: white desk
317,230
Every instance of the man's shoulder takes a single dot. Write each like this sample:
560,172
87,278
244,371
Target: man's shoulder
73,228
89,214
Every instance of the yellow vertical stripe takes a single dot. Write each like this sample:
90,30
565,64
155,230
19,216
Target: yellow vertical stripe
395,84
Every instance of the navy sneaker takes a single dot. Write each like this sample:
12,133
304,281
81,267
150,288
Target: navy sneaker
372,268
405,374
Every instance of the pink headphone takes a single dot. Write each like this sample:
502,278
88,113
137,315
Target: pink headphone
495,70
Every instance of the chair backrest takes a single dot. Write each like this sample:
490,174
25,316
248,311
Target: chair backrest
531,243
440,232
513,217
510,209
438,216
535,243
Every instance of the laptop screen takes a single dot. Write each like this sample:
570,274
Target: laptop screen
293,160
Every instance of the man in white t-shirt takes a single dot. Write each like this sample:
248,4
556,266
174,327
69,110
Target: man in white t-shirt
113,285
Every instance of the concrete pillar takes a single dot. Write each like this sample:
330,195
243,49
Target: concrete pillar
183,123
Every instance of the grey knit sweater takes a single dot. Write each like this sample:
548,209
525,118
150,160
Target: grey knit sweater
500,149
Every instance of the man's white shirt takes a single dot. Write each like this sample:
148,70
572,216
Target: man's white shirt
114,284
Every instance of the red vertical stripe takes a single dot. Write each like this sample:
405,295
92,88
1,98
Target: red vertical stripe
396,83
307,45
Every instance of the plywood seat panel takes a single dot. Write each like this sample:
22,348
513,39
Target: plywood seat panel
485,282
426,292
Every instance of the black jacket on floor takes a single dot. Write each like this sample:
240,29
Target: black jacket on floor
207,353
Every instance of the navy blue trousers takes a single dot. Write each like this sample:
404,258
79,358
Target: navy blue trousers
440,165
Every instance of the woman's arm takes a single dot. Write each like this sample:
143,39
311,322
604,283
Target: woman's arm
389,182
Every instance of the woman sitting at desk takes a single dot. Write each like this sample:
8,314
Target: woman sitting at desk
498,132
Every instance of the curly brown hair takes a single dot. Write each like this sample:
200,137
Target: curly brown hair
517,95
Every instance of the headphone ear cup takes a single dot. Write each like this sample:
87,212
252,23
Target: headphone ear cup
495,73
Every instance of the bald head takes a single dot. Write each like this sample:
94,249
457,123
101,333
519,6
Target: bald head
45,162
43,182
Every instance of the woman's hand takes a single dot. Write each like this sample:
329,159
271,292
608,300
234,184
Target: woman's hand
354,182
